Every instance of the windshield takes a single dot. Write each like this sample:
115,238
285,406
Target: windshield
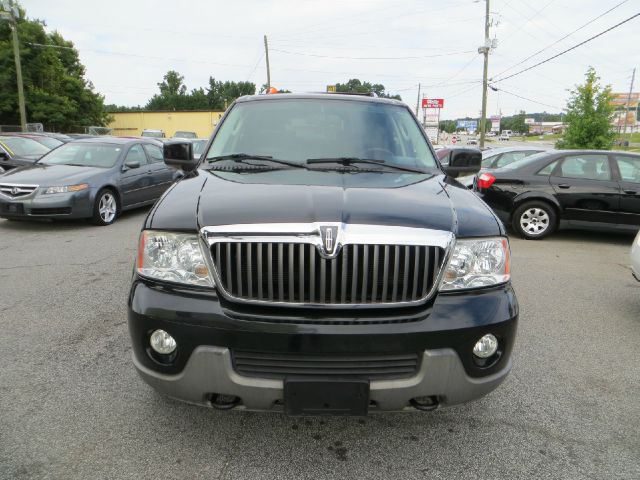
299,129
198,146
152,134
185,135
84,155
525,161
49,142
23,146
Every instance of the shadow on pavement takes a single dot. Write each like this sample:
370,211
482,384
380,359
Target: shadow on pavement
43,224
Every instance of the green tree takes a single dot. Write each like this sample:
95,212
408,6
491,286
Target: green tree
589,113
221,94
514,123
448,126
56,91
355,85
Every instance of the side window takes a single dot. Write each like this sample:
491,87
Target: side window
154,152
136,154
488,161
548,169
510,157
588,167
629,168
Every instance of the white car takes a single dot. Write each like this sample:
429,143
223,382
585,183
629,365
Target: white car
504,137
635,257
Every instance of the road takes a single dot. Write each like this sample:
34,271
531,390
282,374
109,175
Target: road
72,406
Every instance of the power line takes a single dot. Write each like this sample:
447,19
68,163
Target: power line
524,98
568,49
288,52
563,38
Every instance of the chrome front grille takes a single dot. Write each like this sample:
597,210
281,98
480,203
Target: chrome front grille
298,273
291,266
12,190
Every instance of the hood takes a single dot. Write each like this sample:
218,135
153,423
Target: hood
50,175
408,200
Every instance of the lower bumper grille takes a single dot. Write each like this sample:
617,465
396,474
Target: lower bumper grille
282,365
51,211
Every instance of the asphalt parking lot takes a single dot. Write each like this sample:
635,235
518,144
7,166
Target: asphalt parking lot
72,406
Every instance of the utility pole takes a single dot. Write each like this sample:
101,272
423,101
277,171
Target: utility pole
626,113
418,100
266,54
11,13
485,51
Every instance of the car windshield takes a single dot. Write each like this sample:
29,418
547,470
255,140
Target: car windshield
198,146
84,155
49,142
298,129
525,161
23,146
152,134
185,135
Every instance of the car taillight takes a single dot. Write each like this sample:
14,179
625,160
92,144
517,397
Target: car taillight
485,180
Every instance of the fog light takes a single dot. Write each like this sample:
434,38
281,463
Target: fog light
486,346
162,342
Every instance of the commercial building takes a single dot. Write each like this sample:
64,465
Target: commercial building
133,123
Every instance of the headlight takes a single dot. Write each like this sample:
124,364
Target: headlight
66,188
477,263
173,257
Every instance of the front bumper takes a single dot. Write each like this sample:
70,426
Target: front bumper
208,329
57,205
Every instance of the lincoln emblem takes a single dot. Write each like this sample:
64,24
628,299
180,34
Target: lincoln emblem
329,238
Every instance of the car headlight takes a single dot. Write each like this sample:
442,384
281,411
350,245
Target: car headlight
475,263
172,257
66,188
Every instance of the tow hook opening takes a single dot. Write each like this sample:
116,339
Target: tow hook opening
426,404
221,401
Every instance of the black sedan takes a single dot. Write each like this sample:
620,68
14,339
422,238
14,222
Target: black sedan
17,150
572,188
93,178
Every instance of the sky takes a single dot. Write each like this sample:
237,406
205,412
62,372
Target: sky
127,46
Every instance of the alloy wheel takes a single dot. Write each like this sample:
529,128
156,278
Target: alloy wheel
107,207
534,221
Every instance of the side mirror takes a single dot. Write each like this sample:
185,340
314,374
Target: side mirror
131,164
179,155
462,161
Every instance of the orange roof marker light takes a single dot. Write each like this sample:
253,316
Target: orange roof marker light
271,90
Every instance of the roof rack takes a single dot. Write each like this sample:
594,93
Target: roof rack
360,94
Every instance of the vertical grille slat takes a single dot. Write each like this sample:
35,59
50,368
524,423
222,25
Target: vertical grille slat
405,273
385,275
416,266
312,273
297,273
374,278
396,268
365,272
259,261
354,275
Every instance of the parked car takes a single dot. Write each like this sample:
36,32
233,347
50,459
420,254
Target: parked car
573,188
499,157
504,137
472,141
91,178
185,134
198,147
149,133
635,257
306,264
17,151
50,141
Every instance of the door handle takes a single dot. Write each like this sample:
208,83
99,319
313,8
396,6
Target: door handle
564,185
630,192
149,171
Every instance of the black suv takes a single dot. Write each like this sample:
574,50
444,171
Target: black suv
318,259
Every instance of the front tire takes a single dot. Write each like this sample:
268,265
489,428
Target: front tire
534,220
105,208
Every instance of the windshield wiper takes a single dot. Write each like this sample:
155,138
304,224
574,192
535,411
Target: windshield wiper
241,157
348,161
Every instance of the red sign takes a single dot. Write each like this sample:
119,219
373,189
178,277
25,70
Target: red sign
432,102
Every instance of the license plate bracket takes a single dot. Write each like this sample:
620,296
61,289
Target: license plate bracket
319,396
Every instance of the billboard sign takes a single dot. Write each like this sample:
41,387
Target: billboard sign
621,115
470,125
495,123
529,121
433,103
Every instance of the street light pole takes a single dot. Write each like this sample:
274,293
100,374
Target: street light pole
10,13
485,51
